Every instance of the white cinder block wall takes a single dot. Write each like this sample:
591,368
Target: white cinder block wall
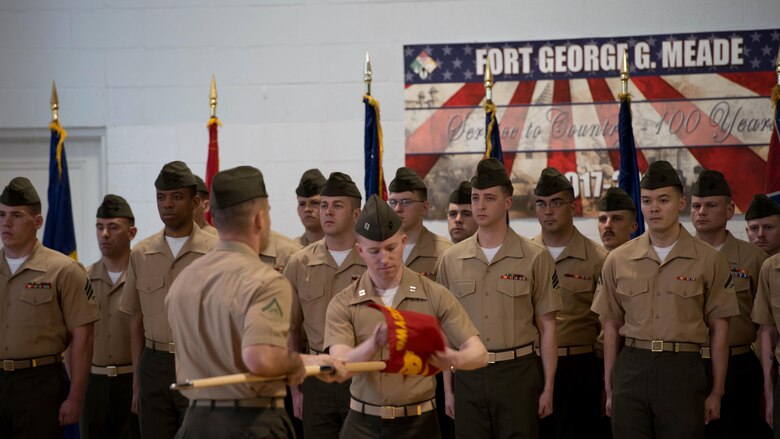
289,74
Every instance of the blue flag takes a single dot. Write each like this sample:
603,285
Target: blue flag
628,179
373,149
59,233
492,134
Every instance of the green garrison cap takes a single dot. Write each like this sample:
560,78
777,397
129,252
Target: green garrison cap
551,182
461,195
660,174
237,185
377,221
490,173
175,175
19,192
340,185
761,207
406,180
311,183
709,184
114,206
201,185
615,199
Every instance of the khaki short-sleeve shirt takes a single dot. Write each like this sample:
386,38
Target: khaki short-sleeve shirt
350,322
766,307
223,302
578,268
278,251
673,301
47,297
151,272
502,297
112,332
315,279
745,261
424,257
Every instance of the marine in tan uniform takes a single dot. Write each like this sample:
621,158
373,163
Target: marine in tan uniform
460,218
230,314
110,390
278,251
766,312
155,262
385,405
46,306
409,199
317,273
711,209
308,195
203,207
617,221
578,262
763,224
663,295
509,288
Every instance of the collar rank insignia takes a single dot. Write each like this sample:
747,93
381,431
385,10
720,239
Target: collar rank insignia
686,278
740,273
577,276
362,293
412,288
513,276
38,285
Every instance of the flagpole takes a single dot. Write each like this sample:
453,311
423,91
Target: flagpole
624,73
488,81
213,97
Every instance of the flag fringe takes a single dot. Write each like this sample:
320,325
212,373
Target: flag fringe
213,121
375,104
62,134
775,96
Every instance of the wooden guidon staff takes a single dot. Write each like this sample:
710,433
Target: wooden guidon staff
241,378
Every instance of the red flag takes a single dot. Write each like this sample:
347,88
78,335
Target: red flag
212,163
413,337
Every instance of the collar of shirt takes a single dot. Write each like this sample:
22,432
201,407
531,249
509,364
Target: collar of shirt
98,271
321,256
576,248
235,247
730,250
196,244
36,261
270,249
684,248
512,247
424,247
410,287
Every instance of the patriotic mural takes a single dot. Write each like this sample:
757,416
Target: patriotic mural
699,101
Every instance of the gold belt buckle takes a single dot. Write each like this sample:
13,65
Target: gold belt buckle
111,371
170,348
491,358
705,352
657,346
387,412
8,365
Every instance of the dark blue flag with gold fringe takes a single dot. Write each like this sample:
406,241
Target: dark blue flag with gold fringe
373,149
628,178
492,133
59,233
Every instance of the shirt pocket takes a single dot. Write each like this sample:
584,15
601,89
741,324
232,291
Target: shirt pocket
515,297
686,301
38,307
633,298
152,291
576,294
313,303
465,291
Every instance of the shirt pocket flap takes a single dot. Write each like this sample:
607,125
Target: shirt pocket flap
37,296
741,284
150,284
513,288
311,292
576,285
631,288
464,288
685,288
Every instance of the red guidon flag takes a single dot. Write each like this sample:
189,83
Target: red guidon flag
413,337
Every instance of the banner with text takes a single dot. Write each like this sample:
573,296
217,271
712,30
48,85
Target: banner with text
699,101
